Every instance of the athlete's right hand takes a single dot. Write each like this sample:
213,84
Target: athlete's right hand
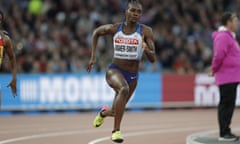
91,62
13,87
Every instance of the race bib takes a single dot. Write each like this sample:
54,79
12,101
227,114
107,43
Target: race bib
126,48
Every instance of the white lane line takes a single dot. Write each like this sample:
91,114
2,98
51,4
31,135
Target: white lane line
191,138
56,134
149,132
45,129
53,134
50,135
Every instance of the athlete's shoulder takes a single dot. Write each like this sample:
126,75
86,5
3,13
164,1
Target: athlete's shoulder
4,33
146,28
147,31
111,26
5,36
116,26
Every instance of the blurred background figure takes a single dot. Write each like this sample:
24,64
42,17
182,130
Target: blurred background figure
226,69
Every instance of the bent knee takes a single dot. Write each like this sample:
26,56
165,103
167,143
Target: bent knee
124,90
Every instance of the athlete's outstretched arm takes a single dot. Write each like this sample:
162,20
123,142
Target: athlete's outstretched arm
11,55
149,50
102,30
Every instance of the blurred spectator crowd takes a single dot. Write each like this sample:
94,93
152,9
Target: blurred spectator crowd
54,36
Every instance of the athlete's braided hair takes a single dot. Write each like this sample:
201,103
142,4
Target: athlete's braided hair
130,1
133,2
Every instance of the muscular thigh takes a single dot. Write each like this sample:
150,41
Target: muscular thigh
115,79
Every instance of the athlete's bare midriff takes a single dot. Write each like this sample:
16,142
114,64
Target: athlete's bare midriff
127,65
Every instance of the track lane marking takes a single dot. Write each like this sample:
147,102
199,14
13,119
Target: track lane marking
131,134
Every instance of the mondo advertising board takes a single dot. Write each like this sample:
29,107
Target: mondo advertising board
68,91
82,91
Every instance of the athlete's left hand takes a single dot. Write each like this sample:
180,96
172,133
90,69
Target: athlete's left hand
13,87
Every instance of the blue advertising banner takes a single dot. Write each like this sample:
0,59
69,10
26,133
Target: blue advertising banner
68,91
148,92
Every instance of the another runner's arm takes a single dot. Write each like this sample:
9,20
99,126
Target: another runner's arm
8,46
11,56
149,50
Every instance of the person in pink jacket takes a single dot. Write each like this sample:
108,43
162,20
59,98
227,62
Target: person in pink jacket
226,70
